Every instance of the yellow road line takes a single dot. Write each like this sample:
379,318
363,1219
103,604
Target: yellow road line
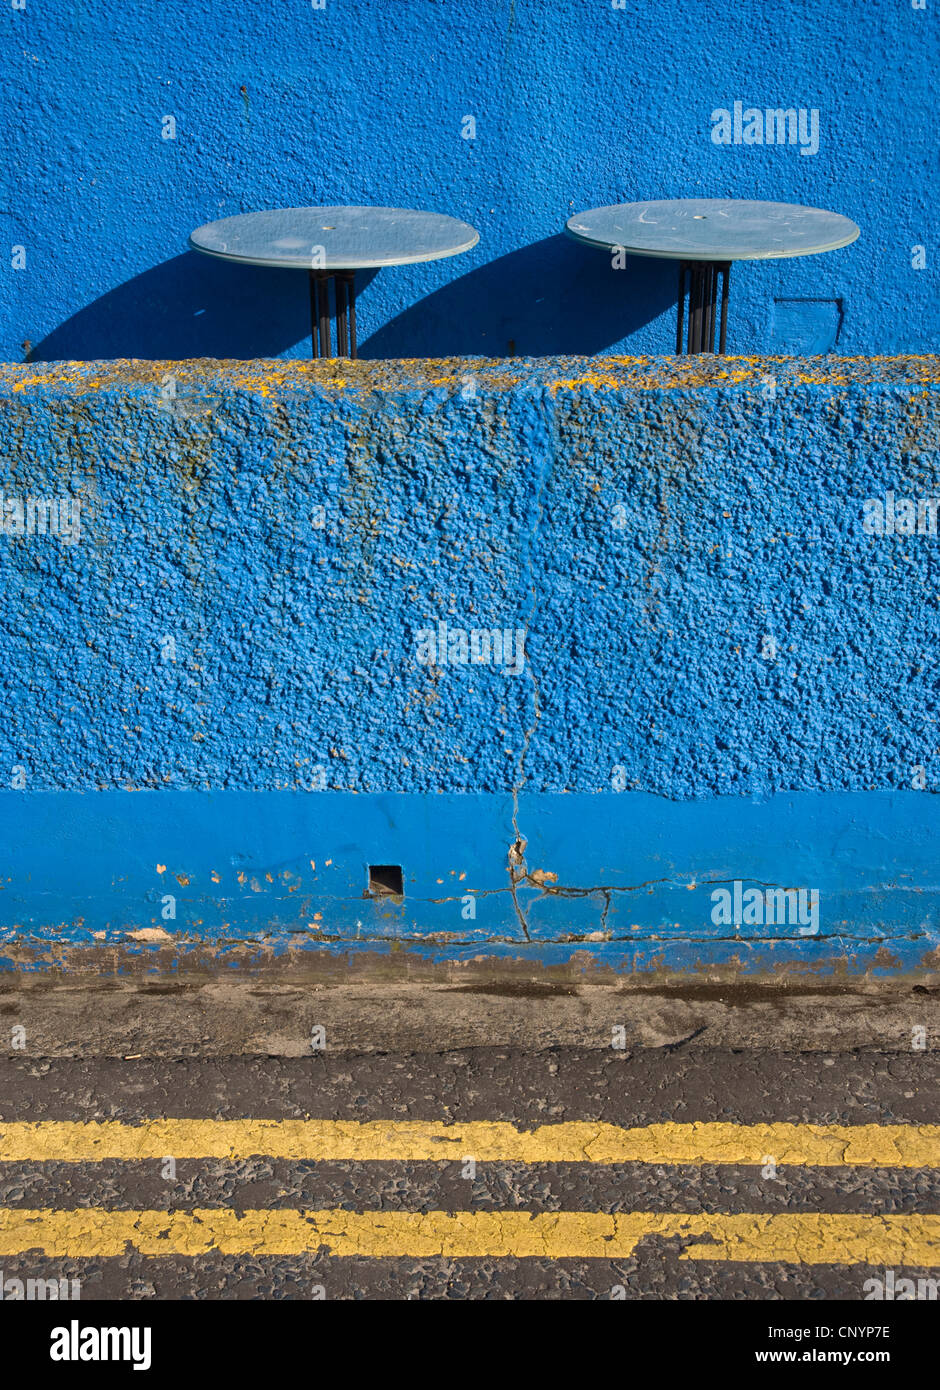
888,1146
807,1238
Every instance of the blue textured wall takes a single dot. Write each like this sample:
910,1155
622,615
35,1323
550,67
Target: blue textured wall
216,691
576,104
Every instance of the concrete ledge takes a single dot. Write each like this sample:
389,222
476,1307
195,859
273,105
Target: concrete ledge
275,377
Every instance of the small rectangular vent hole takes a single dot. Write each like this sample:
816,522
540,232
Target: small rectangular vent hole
386,881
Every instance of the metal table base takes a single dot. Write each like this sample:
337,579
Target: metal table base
344,295
703,306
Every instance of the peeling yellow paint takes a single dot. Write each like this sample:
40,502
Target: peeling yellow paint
800,1238
889,1146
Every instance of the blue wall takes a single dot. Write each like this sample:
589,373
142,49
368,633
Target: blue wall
216,688
576,104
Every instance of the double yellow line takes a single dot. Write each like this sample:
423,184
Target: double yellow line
817,1238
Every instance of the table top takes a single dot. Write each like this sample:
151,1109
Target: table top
350,238
713,229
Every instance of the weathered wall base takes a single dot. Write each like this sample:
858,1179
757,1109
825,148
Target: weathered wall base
585,883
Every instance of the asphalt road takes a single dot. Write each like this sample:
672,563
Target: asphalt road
657,1173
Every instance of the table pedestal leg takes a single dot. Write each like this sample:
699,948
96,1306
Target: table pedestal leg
350,278
703,317
345,296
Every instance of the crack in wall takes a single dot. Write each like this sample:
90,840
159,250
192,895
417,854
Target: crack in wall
516,865
640,937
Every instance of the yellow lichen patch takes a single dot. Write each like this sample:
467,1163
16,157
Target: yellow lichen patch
206,381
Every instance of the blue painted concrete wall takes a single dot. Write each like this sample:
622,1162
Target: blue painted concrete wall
702,598
129,125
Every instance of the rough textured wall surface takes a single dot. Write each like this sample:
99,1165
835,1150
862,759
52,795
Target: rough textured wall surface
714,587
129,126
683,549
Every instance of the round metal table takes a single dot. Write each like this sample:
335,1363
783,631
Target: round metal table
705,235
331,244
